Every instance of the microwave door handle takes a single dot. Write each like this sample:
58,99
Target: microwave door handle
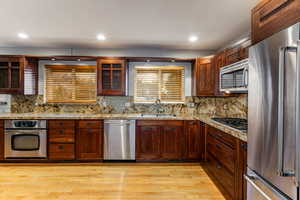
245,77
280,132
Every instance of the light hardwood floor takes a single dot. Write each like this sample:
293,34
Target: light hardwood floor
106,182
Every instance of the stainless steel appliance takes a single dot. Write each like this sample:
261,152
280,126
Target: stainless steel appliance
119,139
273,117
234,77
236,123
25,139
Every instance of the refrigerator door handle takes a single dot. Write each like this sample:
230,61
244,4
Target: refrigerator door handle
297,171
280,131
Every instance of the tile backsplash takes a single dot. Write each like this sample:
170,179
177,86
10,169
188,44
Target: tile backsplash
227,106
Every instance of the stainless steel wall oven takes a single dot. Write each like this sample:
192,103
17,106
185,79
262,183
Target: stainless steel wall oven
25,139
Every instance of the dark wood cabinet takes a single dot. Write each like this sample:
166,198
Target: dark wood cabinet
232,55
111,77
272,16
159,140
204,77
226,162
12,75
194,135
148,139
61,139
89,140
1,139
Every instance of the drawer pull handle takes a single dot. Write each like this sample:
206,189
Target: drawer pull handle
219,167
90,131
60,123
61,132
61,147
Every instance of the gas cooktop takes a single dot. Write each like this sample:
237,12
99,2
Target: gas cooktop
237,123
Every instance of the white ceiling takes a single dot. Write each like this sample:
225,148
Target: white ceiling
126,23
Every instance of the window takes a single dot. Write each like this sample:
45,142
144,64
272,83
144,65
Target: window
70,84
164,83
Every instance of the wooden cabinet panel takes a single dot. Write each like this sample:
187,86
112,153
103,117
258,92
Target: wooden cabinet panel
272,16
95,124
89,144
232,55
225,179
60,151
173,143
204,77
1,140
226,156
62,135
221,136
12,74
61,124
148,142
194,131
111,77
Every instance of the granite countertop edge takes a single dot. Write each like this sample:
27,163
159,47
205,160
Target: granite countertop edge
207,119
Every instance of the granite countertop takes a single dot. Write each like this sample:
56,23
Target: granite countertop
204,118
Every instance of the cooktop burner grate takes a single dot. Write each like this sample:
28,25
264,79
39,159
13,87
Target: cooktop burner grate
237,123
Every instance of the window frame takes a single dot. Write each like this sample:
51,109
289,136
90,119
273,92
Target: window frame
75,101
159,69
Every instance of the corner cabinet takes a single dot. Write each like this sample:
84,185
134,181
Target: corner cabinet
111,77
204,79
12,75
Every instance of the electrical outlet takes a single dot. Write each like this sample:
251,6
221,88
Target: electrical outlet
127,105
191,105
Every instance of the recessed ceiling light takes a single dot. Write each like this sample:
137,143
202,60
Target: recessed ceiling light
53,59
193,38
101,37
78,59
23,36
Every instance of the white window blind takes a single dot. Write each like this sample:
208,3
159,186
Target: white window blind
164,83
70,84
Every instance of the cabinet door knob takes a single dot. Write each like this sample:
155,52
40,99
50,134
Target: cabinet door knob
61,147
90,131
219,166
61,131
60,123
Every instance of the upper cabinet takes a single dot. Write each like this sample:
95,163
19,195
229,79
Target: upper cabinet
111,77
204,79
272,16
12,75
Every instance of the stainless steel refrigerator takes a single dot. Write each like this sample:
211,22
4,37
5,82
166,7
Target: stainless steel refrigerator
273,117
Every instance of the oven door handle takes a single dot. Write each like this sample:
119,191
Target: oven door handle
19,132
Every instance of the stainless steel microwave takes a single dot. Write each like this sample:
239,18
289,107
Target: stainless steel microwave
234,77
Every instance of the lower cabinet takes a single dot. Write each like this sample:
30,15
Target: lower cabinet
159,140
89,140
226,162
169,140
1,139
75,140
61,137
195,142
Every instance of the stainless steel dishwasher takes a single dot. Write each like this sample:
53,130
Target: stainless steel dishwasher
119,139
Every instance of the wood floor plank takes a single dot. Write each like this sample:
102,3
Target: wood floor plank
106,182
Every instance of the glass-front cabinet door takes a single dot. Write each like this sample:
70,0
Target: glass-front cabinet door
111,77
11,74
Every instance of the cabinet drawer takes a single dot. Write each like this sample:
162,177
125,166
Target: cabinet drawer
90,124
62,135
272,16
211,145
223,137
63,124
61,151
159,123
224,178
226,156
